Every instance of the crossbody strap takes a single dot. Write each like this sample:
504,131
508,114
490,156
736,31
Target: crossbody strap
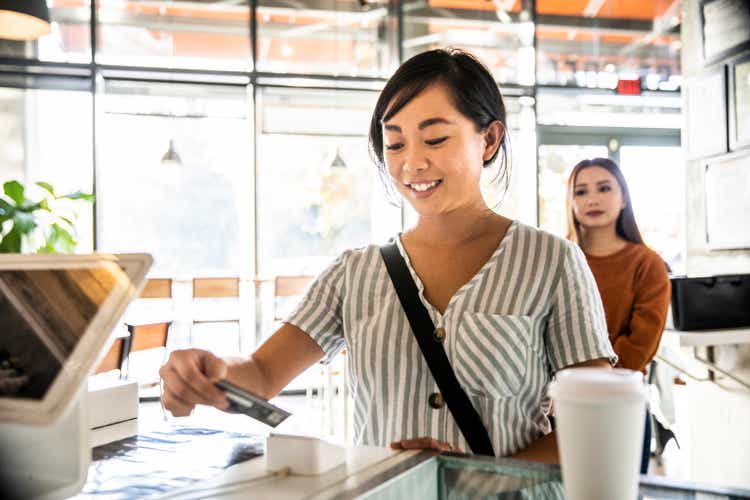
458,402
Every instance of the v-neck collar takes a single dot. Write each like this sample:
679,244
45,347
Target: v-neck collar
491,262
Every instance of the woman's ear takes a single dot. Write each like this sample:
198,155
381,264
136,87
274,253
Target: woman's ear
493,137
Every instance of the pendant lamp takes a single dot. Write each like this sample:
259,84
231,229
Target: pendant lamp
23,20
171,158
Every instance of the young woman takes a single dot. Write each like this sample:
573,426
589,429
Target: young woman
514,304
632,279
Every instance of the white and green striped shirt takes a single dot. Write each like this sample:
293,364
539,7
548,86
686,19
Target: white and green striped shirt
532,309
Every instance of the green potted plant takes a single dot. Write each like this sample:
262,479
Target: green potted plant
43,225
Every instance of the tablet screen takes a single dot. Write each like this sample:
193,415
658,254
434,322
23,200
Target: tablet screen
43,315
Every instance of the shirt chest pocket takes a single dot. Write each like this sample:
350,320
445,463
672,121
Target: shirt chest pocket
493,353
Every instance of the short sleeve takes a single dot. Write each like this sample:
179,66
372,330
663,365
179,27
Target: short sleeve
319,313
577,327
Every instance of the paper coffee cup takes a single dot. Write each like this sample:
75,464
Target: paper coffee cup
600,415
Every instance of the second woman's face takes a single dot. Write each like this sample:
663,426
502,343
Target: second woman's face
434,154
597,198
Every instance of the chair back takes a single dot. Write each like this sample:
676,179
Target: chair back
114,358
286,287
216,287
144,337
159,288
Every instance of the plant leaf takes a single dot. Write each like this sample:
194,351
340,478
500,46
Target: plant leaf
47,187
6,210
24,223
79,195
61,240
11,242
28,206
14,190
66,220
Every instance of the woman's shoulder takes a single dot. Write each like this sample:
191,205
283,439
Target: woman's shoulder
354,256
539,251
537,236
648,258
350,263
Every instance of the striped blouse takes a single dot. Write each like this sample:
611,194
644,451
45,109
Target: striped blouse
532,309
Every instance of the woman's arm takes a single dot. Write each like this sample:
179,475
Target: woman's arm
189,375
286,354
652,292
544,449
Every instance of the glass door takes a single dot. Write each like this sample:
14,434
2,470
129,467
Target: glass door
656,179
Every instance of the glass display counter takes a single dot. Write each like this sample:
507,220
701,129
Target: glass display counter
454,477
176,460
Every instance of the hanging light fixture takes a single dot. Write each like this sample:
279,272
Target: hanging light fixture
171,158
23,20
338,161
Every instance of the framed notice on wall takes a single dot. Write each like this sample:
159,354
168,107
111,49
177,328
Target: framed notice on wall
707,114
739,104
728,203
726,28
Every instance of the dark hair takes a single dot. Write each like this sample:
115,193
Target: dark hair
471,85
625,227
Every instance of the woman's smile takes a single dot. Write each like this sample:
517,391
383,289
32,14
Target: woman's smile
423,189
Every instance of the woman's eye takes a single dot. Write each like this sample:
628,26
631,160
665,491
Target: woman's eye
604,189
580,192
435,142
394,147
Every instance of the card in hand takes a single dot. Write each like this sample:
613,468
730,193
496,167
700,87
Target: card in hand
241,401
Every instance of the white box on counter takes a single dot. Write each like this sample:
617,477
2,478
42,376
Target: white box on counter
112,409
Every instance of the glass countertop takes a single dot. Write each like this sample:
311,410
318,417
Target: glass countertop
457,477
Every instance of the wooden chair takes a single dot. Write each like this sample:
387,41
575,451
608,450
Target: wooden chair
148,322
159,288
324,381
115,357
145,337
229,312
286,288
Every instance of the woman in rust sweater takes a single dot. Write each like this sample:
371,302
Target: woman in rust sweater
632,279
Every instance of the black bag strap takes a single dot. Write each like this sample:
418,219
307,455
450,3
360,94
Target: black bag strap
458,402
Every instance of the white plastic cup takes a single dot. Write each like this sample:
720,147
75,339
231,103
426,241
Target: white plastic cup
600,415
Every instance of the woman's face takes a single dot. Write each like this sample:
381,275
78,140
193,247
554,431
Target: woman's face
597,198
435,155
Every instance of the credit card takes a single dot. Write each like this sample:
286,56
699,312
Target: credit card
241,401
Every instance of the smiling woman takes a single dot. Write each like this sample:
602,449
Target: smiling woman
430,85
504,304
431,157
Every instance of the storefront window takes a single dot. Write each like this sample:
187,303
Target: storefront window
175,34
318,190
327,37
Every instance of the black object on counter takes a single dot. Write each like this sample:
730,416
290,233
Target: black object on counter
712,302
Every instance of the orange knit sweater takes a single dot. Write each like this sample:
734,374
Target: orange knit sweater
635,290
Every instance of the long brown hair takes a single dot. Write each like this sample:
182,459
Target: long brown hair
626,226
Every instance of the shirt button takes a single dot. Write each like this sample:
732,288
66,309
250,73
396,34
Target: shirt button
439,334
436,400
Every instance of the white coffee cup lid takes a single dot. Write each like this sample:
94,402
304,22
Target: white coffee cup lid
597,385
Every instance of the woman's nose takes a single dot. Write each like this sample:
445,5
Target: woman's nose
415,161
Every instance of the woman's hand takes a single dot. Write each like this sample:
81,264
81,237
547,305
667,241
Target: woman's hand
422,443
188,379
